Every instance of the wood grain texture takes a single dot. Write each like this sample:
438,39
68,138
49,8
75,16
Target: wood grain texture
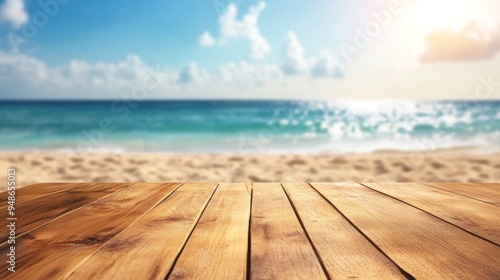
422,245
281,231
54,250
38,190
280,248
474,216
341,247
148,248
487,192
217,248
37,212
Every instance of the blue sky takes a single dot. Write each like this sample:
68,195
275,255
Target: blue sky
248,49
167,31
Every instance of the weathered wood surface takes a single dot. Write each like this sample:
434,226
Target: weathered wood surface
39,211
477,217
422,245
152,243
38,190
280,248
259,231
217,248
340,245
487,192
54,250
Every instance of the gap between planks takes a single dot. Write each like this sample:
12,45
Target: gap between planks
400,230
472,216
485,192
85,231
40,211
176,215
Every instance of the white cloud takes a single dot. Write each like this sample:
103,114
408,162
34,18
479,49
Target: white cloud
292,60
469,44
22,66
13,12
294,63
247,28
325,66
246,74
191,74
27,76
206,40
79,74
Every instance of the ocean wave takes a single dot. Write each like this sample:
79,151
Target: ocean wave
270,126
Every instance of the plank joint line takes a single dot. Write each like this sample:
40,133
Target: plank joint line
446,190
191,233
249,242
437,217
405,273
307,235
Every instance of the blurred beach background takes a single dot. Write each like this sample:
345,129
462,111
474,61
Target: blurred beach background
250,91
252,141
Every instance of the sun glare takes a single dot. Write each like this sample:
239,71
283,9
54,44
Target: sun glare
431,15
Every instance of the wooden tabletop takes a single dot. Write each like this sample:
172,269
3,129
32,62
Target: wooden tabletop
254,231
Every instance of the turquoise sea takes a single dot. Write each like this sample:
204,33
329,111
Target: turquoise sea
248,126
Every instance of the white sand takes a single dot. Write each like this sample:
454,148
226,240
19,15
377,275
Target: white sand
38,167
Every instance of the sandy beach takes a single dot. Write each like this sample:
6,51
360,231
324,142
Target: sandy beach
382,166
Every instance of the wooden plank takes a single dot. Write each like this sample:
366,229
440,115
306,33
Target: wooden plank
341,247
148,248
487,192
477,217
37,212
217,249
54,250
280,248
31,192
419,243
